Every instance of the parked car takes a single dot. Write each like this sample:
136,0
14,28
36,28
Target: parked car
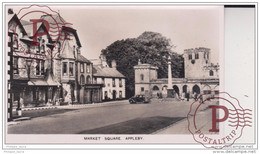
138,99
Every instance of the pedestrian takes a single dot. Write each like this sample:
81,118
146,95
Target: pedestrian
188,96
201,98
195,96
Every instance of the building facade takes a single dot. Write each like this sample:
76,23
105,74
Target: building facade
111,78
201,76
45,70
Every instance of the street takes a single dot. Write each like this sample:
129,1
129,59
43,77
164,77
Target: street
117,118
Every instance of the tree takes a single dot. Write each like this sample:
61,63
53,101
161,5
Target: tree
149,47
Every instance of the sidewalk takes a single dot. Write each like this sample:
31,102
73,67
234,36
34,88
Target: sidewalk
76,105
181,127
29,113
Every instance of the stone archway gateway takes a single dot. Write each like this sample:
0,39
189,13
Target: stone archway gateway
176,89
196,89
155,88
184,89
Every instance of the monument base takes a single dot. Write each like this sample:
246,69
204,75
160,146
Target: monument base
169,93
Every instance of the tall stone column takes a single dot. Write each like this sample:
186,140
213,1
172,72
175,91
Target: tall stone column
169,89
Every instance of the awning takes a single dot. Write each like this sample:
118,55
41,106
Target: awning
48,81
42,82
93,86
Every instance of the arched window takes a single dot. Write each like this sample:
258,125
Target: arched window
184,89
88,79
42,49
196,89
155,88
82,79
176,89
190,56
211,73
196,55
142,77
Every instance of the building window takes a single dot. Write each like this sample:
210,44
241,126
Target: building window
43,49
113,82
71,68
190,56
211,73
120,94
88,80
81,68
142,77
38,49
82,80
196,55
94,80
88,68
155,88
42,67
103,82
106,97
142,88
120,83
15,65
39,67
64,69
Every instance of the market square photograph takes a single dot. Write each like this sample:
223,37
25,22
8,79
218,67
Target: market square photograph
111,70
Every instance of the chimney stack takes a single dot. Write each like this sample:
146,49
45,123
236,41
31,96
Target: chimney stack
103,60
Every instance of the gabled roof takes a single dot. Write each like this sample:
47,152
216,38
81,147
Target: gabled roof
100,71
81,58
67,51
74,32
14,21
64,26
24,22
54,19
29,30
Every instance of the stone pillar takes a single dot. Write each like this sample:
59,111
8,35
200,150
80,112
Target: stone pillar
169,89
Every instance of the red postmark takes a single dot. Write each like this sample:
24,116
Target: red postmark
217,120
39,33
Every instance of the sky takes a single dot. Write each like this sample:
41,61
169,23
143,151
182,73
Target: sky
186,26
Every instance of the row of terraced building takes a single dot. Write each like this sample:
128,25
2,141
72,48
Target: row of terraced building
48,68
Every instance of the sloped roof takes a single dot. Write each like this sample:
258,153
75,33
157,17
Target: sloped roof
24,22
81,58
29,29
67,51
74,32
145,65
14,22
106,72
55,19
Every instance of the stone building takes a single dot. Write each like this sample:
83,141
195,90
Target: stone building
201,76
45,70
31,76
111,78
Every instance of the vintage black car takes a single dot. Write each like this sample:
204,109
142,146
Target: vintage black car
139,99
